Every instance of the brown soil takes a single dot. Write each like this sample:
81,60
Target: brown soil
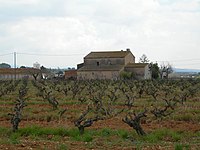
113,123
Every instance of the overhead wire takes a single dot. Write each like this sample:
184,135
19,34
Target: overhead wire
6,54
194,61
40,54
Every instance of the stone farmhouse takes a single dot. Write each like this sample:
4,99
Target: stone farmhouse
110,64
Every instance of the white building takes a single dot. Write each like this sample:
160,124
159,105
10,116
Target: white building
36,65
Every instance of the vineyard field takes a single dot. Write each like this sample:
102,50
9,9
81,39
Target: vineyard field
99,114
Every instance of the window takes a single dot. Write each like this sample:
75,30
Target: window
97,63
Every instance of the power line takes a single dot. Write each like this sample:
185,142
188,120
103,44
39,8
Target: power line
64,55
56,55
194,61
191,64
180,60
6,54
198,59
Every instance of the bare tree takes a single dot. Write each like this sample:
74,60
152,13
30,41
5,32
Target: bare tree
165,70
143,59
35,73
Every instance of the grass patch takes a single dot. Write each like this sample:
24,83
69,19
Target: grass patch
106,132
110,137
123,134
62,147
8,137
3,131
39,131
162,135
14,138
181,146
36,131
85,137
184,117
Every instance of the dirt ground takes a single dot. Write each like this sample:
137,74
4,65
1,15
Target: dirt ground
113,123
68,122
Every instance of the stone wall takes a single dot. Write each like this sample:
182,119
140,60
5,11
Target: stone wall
87,75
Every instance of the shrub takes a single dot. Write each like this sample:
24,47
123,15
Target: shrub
126,75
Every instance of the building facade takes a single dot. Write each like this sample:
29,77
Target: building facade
18,73
71,74
109,65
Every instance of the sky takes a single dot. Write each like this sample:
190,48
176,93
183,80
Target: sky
59,33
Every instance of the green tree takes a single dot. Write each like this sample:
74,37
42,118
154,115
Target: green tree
154,70
22,67
5,65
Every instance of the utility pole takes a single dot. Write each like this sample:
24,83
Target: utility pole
15,63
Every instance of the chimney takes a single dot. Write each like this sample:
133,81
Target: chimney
128,49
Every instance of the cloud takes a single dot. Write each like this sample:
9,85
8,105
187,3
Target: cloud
48,32
18,2
181,5
161,29
52,35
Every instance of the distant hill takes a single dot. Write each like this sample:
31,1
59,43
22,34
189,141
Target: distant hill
186,70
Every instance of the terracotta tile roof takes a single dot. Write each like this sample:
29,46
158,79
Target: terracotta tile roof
17,70
107,54
136,65
102,68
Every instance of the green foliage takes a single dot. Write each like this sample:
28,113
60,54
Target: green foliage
154,70
127,75
5,65
39,131
3,130
86,137
15,138
106,132
162,134
22,66
181,147
185,117
62,147
110,136
123,134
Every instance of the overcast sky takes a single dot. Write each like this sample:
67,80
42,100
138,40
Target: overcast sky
59,33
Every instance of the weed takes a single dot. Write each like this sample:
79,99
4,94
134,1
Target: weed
162,134
106,132
123,134
15,138
62,147
184,117
182,147
3,131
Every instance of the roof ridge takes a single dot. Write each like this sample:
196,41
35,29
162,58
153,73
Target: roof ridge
108,54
